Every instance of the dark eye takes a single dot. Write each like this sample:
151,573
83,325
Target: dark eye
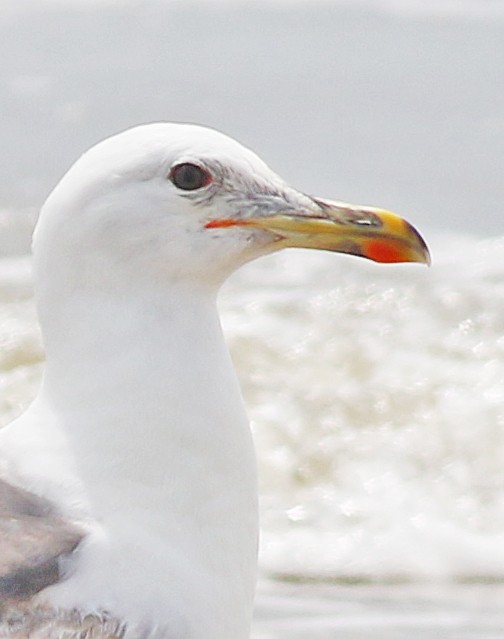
189,177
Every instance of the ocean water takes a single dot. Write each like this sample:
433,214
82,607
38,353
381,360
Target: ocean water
287,611
375,392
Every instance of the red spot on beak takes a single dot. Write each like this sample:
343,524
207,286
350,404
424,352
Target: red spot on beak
383,251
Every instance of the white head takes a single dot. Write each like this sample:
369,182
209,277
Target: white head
167,202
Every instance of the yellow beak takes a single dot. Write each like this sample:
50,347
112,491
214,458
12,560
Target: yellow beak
367,232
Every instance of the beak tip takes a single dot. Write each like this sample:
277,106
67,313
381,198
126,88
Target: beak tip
399,243
420,243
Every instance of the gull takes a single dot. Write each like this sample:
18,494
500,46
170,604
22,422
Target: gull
128,489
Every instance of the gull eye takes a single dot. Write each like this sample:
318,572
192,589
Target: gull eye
189,177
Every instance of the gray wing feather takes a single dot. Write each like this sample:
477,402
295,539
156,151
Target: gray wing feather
23,622
32,540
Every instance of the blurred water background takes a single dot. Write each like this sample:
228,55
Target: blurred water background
376,393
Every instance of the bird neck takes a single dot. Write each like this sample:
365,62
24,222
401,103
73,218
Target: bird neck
145,390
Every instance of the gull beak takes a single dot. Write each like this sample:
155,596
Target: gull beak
375,234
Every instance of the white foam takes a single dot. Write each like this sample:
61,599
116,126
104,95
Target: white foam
377,399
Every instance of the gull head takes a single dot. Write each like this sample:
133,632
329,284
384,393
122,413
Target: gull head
174,202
